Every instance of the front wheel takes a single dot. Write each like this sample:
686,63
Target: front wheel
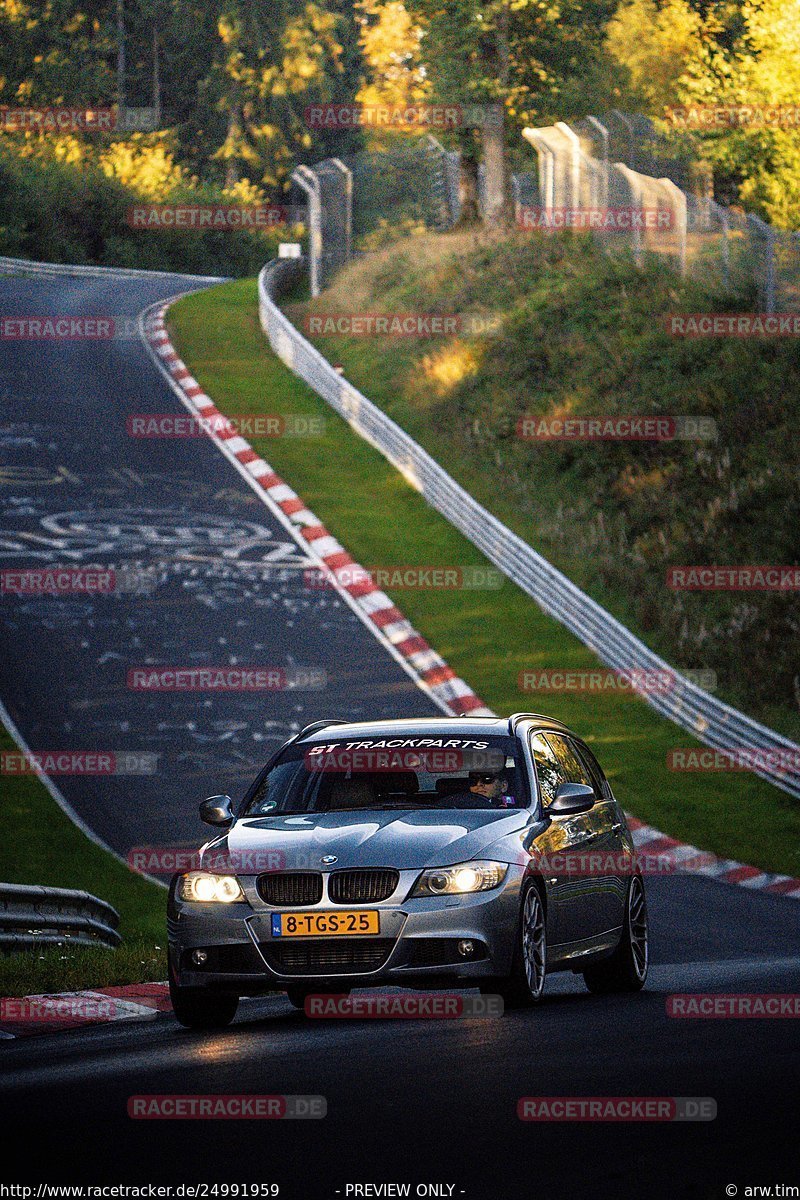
525,985
197,1008
626,969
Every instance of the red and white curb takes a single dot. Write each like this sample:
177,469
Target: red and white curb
684,859
383,616
60,1011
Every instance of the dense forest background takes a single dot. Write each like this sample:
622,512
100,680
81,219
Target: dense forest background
229,81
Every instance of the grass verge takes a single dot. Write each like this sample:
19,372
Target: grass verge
578,333
489,637
46,848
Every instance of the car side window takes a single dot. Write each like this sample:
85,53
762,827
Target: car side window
548,768
572,767
594,768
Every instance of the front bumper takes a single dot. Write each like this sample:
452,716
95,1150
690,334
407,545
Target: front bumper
417,944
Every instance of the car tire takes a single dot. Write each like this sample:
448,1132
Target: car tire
626,969
523,988
197,1008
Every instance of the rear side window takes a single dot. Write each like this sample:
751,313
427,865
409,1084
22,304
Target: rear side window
549,771
594,768
572,767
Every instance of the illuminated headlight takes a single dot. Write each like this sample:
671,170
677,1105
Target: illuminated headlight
458,880
209,889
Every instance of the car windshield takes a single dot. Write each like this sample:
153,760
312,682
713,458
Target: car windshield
412,772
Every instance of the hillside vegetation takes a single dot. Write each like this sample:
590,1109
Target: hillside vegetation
581,334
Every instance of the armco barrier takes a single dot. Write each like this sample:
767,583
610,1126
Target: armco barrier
43,916
710,720
24,266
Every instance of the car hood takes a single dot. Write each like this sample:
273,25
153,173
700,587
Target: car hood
405,840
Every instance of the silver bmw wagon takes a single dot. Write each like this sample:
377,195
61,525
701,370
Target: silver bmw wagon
446,852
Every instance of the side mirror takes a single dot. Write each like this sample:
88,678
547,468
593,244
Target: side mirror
216,810
571,798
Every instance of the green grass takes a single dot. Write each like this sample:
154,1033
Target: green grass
488,637
582,334
43,846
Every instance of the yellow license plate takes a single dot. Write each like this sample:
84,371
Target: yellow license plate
325,924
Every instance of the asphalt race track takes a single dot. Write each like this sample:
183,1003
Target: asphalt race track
408,1102
205,577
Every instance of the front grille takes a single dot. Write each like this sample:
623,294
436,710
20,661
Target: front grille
362,886
285,888
334,956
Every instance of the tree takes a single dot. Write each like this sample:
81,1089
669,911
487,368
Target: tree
517,58
736,56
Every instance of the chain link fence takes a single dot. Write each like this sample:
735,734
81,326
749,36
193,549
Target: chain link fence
636,189
352,197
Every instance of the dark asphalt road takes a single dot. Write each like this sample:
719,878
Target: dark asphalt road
436,1101
408,1102
227,577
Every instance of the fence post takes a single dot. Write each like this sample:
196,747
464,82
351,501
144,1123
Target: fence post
547,174
601,129
516,196
305,178
635,190
680,209
575,163
726,248
348,210
767,233
623,120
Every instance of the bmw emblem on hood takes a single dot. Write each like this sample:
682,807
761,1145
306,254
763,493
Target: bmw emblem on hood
328,859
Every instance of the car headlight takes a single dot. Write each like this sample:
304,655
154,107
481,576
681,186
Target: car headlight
209,889
458,880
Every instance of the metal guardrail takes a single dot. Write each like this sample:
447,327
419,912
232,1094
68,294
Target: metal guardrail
709,719
25,266
33,916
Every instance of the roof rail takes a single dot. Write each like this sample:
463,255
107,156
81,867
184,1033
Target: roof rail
315,726
515,719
